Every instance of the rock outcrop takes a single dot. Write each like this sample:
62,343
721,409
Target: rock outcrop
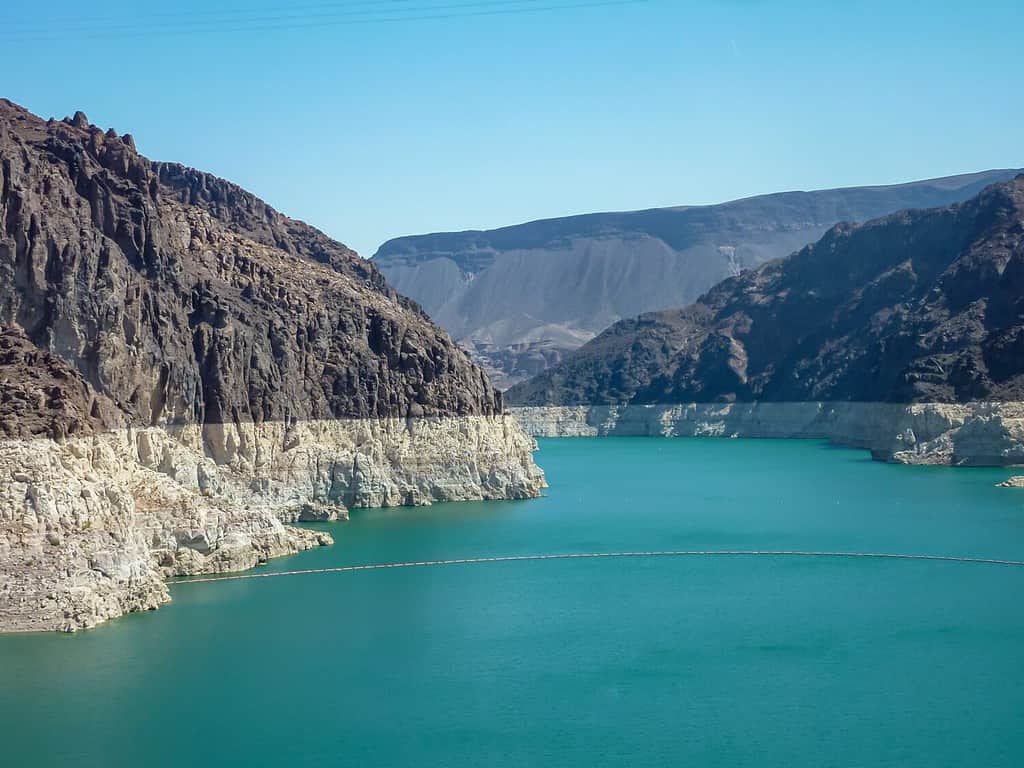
513,363
550,286
186,299
183,370
42,396
90,525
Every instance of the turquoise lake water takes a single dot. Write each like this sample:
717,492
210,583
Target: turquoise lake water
668,662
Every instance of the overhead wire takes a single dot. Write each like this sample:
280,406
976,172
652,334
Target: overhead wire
95,28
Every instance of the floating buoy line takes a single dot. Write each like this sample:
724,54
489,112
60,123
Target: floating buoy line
607,555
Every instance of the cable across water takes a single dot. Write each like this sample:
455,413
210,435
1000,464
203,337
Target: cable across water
609,555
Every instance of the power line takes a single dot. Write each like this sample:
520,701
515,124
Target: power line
256,24
223,11
242,14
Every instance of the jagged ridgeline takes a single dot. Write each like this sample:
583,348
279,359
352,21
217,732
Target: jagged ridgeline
186,299
183,368
919,307
521,298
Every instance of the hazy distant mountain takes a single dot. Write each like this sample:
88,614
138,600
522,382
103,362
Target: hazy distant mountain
919,306
521,297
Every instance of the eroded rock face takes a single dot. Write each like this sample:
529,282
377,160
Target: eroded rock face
185,299
88,533
42,396
89,526
918,307
183,370
511,364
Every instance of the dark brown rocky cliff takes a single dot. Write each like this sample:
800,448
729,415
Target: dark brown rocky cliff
184,299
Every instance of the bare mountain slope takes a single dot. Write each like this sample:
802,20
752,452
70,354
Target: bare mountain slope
919,306
521,297
186,299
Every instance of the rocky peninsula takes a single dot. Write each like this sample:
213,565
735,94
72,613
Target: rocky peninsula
185,370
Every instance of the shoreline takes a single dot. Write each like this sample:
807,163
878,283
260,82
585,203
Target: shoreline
90,527
967,434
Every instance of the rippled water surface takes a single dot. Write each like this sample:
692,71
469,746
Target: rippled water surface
703,662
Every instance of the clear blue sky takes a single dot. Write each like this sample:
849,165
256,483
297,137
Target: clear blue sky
372,130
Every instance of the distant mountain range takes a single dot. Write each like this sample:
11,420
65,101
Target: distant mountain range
522,297
919,306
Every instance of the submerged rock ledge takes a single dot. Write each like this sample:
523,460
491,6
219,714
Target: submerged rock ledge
968,434
92,525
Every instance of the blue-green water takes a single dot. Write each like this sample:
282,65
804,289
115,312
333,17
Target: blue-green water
701,662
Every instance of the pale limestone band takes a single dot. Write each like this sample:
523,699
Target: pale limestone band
920,433
90,526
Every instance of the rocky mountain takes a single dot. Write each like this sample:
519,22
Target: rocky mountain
183,368
186,299
922,306
523,296
919,306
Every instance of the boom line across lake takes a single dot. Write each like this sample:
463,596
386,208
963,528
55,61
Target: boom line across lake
610,555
